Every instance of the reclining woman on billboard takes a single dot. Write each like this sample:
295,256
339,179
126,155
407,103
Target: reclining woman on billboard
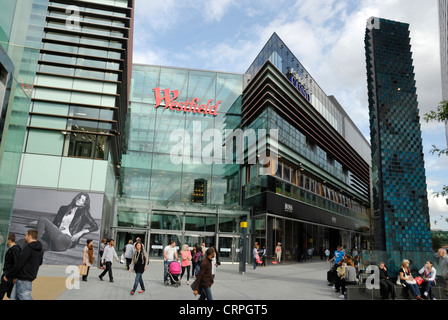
71,223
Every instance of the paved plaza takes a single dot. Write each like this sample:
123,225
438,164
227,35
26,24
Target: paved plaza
304,281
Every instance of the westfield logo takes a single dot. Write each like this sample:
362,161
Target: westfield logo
189,106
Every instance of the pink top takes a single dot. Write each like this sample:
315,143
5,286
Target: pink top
186,257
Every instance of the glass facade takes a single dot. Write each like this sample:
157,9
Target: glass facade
398,174
21,27
157,192
74,117
307,196
284,59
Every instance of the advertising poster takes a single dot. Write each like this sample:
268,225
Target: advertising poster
65,220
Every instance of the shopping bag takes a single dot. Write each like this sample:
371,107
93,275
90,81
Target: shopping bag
82,270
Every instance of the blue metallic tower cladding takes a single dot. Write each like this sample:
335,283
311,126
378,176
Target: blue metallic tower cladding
401,213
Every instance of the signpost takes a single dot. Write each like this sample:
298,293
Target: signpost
243,226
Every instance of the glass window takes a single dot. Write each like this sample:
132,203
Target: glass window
84,112
45,142
166,221
278,174
165,179
200,222
286,173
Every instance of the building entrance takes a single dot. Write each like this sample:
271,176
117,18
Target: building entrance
123,237
229,248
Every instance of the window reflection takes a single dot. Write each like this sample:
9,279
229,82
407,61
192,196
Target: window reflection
166,221
84,145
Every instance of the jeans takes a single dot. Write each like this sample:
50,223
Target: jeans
166,266
206,294
58,241
427,287
196,270
138,280
21,290
413,288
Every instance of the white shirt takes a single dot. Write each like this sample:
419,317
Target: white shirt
170,252
109,254
66,221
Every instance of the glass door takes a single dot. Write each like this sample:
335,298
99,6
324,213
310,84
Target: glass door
159,240
229,248
124,236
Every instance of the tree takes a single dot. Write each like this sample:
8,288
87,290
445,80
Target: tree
440,115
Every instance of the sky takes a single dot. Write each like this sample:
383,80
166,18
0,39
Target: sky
327,36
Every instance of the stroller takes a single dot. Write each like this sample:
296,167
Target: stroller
174,273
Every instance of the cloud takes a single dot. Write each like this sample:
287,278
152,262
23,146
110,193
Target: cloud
214,10
438,209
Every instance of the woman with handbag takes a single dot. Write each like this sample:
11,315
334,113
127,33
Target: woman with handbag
87,259
406,279
428,273
139,262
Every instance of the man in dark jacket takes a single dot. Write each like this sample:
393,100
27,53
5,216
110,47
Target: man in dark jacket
26,269
204,279
11,258
386,285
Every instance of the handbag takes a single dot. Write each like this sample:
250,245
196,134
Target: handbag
82,270
419,280
192,285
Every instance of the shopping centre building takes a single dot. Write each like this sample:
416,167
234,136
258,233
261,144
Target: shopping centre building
306,186
165,153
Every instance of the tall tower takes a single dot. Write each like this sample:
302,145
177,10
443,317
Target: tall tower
401,213
443,21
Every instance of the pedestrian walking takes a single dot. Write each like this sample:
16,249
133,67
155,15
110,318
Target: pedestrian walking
108,257
444,267
170,255
11,259
128,251
139,262
101,251
327,255
193,263
215,261
204,278
25,271
255,253
264,257
186,262
198,258
88,258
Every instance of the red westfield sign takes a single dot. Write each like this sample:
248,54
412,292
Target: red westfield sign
190,106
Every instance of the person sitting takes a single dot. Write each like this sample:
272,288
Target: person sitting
428,273
349,279
386,285
408,281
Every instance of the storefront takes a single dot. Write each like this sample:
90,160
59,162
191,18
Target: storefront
192,225
171,186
